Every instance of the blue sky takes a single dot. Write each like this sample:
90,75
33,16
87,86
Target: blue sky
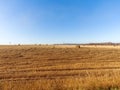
59,21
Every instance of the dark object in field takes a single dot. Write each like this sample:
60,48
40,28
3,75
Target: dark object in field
77,46
19,45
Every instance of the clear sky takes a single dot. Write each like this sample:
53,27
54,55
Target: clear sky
59,21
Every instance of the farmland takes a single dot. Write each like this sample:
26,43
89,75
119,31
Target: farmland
59,68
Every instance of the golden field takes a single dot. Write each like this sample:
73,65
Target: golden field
39,67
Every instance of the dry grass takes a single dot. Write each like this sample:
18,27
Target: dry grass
51,68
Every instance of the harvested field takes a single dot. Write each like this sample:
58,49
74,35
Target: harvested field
56,68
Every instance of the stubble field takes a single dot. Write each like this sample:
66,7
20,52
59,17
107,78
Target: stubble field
51,68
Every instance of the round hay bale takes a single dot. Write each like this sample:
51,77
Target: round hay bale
19,45
77,46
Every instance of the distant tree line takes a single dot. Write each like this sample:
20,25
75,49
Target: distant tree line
105,43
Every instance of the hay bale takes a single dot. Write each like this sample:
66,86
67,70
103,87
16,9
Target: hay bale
77,46
19,45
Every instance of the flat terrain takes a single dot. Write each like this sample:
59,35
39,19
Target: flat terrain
55,68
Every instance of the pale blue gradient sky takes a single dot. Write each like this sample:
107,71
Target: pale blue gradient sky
59,21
